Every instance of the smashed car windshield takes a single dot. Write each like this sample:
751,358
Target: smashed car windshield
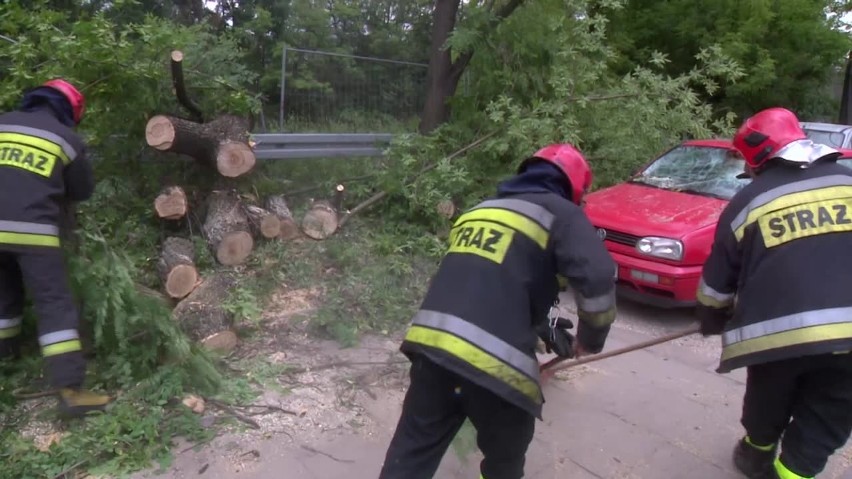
702,170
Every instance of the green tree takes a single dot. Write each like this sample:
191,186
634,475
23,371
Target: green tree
789,50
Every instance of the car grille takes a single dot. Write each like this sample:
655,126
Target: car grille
621,238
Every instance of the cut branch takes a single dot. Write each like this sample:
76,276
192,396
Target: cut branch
277,205
180,87
177,267
171,203
221,143
227,229
382,194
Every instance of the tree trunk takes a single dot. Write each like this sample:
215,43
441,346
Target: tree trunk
202,317
177,267
277,205
322,219
227,229
263,223
444,74
222,143
171,203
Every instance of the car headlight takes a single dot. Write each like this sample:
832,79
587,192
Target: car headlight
660,247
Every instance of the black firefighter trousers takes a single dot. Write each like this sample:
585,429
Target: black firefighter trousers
41,273
435,407
816,393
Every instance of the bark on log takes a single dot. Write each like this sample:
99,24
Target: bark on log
227,229
171,203
177,267
263,223
202,315
222,143
277,205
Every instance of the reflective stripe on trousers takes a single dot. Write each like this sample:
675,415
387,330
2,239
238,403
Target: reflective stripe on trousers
10,327
28,234
479,348
799,328
60,342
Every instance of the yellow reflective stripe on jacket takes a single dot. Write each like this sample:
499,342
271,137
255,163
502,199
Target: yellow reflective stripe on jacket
799,192
479,348
800,328
42,139
28,234
530,219
713,298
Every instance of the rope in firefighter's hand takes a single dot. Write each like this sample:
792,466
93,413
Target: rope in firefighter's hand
553,364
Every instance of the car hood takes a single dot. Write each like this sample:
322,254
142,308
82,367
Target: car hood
643,210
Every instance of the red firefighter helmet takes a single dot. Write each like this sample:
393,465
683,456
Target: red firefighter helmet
776,133
72,94
571,162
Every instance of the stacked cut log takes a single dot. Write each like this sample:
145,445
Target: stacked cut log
323,217
177,267
171,203
227,229
203,317
231,223
277,205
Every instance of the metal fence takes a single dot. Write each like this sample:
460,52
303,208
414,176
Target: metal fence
290,146
322,91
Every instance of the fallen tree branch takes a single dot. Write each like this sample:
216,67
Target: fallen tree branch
317,451
229,410
382,194
336,364
180,87
64,473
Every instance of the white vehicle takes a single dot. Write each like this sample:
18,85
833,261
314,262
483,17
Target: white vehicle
831,134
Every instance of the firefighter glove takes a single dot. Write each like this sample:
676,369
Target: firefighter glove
712,320
559,339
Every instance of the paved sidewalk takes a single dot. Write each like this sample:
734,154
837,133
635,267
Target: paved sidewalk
659,413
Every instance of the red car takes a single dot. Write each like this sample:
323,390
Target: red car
659,224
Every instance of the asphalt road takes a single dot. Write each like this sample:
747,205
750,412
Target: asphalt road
657,413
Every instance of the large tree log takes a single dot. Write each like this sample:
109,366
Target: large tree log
177,267
322,219
263,223
277,205
227,229
202,315
171,203
222,143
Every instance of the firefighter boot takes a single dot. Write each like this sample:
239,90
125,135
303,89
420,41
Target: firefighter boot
79,402
755,461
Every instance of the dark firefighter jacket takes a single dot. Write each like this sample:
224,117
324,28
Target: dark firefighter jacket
498,280
783,247
43,167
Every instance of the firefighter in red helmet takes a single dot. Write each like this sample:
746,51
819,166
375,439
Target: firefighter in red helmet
472,344
782,250
43,170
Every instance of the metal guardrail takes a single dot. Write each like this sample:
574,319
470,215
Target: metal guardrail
291,146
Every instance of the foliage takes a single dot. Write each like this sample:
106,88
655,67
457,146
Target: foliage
542,77
139,351
788,50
